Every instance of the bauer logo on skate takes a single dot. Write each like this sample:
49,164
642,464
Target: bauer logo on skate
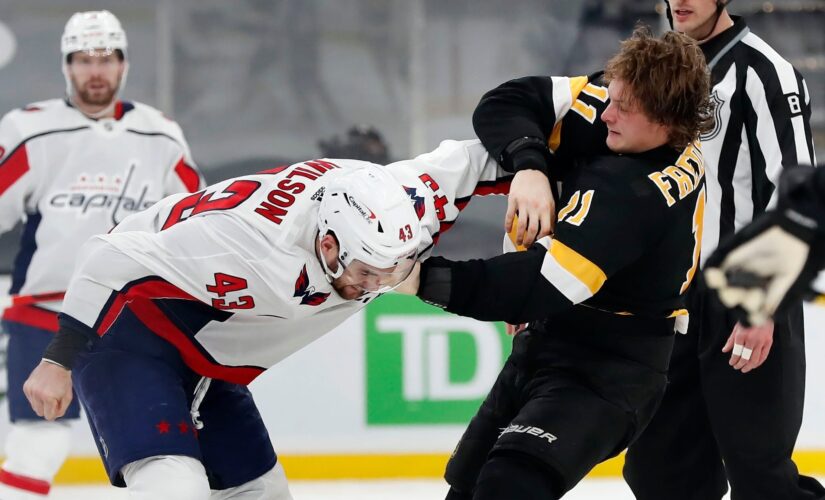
529,430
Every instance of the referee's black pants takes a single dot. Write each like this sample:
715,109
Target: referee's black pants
717,425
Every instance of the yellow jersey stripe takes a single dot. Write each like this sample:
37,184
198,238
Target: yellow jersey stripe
572,274
578,265
562,103
577,83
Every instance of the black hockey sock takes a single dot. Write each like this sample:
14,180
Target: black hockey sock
516,476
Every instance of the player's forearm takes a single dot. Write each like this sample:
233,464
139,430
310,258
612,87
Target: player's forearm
517,110
71,340
508,288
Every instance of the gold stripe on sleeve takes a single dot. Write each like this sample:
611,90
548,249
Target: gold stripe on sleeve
579,266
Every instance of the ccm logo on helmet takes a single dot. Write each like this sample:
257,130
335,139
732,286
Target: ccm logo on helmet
279,200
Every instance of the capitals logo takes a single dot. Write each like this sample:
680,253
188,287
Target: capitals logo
307,293
418,202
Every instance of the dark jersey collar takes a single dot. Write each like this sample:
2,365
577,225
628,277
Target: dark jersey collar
717,46
662,154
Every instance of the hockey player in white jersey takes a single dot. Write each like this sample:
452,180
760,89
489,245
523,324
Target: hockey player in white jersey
72,168
223,284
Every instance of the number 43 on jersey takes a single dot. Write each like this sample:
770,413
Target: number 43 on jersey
226,284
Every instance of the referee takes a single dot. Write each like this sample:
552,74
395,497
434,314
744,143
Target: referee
721,422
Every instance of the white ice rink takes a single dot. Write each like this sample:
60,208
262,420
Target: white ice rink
591,489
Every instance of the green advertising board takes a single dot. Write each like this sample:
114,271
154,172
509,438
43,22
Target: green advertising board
425,366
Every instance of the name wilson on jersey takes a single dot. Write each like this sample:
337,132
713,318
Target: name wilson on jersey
280,199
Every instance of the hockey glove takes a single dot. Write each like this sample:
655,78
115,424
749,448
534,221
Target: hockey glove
771,263
764,267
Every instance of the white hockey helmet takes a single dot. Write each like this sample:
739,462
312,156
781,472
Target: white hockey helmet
89,31
374,221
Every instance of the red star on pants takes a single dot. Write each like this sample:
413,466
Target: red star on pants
162,427
183,427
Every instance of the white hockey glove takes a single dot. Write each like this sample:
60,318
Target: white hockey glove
760,268
770,263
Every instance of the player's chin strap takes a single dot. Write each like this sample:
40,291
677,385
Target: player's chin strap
200,393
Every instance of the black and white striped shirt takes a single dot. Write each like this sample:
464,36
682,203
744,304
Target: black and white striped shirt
762,124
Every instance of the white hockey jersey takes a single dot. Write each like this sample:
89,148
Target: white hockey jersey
71,177
230,276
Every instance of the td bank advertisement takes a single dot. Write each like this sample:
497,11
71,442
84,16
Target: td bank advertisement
425,366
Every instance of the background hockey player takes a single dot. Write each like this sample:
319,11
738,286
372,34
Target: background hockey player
223,284
72,168
604,294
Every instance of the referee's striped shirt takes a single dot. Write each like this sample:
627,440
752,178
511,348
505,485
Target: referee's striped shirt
762,123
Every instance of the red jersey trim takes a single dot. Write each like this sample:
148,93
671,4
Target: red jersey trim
188,175
25,483
13,168
138,299
32,316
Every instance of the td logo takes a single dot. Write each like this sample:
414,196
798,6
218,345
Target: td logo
425,366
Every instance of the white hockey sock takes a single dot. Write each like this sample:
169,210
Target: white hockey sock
271,485
165,477
35,450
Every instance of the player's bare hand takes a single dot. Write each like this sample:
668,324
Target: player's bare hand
410,285
49,390
512,330
531,198
749,346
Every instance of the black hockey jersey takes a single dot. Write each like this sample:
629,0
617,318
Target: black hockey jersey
627,242
565,112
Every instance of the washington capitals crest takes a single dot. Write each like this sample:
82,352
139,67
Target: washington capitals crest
307,293
418,202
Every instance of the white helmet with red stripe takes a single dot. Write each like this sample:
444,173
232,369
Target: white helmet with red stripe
95,30
374,221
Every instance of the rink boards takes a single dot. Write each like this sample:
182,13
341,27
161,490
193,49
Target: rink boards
388,393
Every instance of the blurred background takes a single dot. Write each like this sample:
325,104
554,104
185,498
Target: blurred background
259,83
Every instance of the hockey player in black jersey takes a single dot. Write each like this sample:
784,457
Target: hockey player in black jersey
604,295
762,125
